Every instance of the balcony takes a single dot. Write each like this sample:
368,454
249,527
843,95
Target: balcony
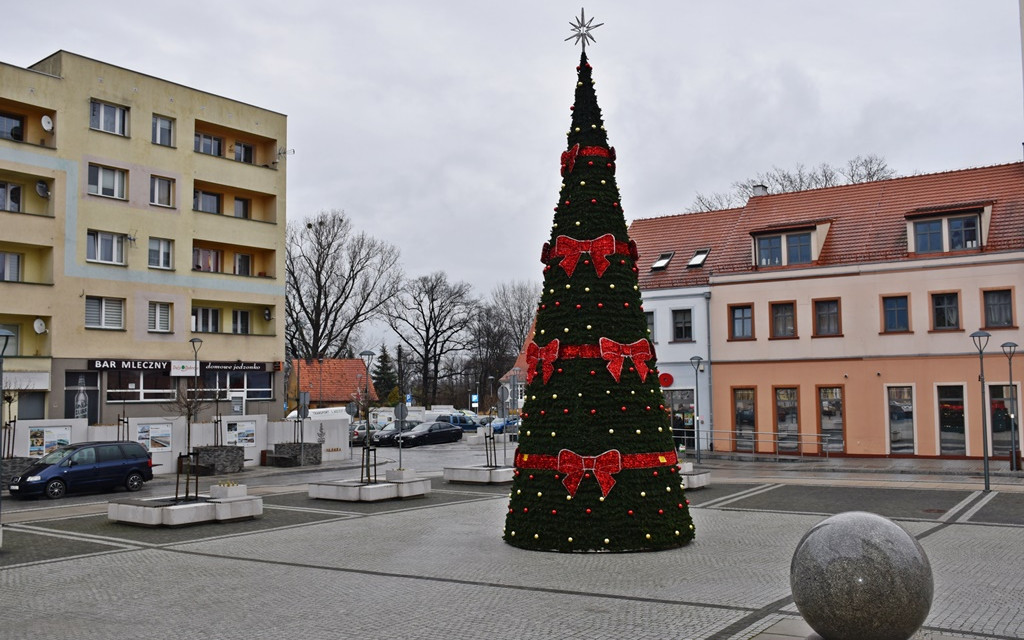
22,123
234,204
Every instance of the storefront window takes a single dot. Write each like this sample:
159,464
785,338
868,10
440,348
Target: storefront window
952,440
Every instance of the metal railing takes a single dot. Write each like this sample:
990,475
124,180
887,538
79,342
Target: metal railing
759,442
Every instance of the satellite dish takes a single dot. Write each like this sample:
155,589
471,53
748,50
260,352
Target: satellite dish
43,189
266,314
39,325
47,123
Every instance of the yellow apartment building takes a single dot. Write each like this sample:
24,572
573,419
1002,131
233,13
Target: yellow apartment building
839,320
138,217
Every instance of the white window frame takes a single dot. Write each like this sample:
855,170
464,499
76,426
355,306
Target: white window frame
157,196
662,261
160,125
98,111
10,266
205,320
241,322
204,143
245,152
200,261
159,317
8,203
100,176
107,314
240,260
165,253
197,201
94,247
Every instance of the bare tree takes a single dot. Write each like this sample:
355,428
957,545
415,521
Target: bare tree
337,280
431,317
515,305
859,169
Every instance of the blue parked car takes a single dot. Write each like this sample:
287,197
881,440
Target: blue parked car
85,466
511,423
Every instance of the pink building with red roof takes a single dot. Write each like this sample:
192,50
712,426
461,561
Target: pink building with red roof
839,319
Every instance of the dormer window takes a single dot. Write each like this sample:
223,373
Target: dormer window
699,256
662,261
948,231
783,249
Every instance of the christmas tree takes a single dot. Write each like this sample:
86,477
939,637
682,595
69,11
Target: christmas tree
596,469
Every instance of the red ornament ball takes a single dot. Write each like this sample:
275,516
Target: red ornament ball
593,201
630,512
554,512
588,511
625,304
565,411
590,164
593,411
623,408
600,305
557,303
655,473
661,512
579,306
526,509
531,476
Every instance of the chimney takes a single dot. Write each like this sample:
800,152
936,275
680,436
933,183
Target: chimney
760,190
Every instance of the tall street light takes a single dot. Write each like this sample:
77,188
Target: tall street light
1010,348
980,339
367,357
695,361
192,411
5,336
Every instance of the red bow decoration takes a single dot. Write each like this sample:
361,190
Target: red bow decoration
546,355
616,352
569,159
570,249
574,466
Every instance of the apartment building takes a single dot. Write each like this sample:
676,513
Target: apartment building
839,320
142,231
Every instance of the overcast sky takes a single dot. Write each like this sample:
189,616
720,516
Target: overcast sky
438,125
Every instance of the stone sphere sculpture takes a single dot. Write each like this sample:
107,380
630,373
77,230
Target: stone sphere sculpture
859,576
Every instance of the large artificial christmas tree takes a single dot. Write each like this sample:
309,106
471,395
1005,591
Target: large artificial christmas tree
596,468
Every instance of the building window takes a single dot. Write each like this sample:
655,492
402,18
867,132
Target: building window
206,320
682,325
108,117
207,260
239,321
104,313
741,322
243,207
998,308
826,318
160,252
783,320
901,419
102,246
787,419
206,202
798,248
10,197
210,145
160,317
244,152
106,181
928,236
662,261
243,264
649,316
895,314
945,311
952,437
12,127
161,191
140,386
963,233
743,419
11,349
830,418
769,251
10,267
699,256
256,385
163,131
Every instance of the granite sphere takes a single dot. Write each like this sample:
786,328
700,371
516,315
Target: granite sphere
859,576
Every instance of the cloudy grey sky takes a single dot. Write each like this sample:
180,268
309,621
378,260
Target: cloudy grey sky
438,125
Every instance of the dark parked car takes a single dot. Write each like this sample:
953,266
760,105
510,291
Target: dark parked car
431,433
461,420
86,466
387,437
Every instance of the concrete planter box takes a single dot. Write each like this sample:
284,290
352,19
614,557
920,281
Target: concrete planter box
695,480
355,491
225,503
479,474
397,475
230,491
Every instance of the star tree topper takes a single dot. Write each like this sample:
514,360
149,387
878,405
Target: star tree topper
581,29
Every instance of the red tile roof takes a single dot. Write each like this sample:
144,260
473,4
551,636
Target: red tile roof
340,380
868,222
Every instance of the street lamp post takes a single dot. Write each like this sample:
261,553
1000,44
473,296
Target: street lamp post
196,343
515,389
368,466
5,336
1009,348
490,393
695,361
980,339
